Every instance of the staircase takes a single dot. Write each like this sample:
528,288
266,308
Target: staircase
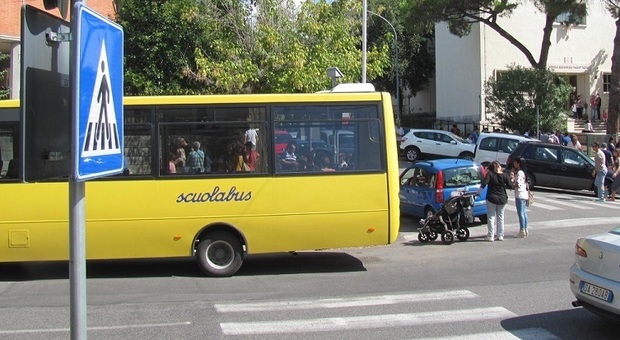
577,126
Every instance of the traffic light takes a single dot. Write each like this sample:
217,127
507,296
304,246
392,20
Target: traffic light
63,6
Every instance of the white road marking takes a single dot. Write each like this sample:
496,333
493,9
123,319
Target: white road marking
523,334
99,328
360,301
602,205
364,322
561,202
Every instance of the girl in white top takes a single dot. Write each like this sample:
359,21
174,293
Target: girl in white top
519,180
574,142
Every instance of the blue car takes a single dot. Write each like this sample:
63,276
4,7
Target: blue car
426,185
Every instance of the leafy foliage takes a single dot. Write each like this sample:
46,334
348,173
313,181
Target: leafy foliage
517,93
416,58
4,91
160,40
230,46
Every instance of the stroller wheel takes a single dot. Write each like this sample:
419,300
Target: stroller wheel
423,237
432,236
447,237
462,234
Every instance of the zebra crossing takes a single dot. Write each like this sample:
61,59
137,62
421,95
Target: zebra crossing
356,313
557,202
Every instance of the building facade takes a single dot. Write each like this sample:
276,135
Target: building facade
10,27
580,53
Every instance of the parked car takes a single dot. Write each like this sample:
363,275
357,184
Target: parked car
556,166
497,146
434,143
426,185
283,137
594,276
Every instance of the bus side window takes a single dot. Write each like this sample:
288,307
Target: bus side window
13,169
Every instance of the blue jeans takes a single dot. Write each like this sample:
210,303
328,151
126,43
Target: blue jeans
522,213
599,182
495,211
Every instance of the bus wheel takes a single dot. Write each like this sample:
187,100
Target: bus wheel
219,254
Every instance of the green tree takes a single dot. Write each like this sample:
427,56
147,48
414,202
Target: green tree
416,58
518,93
230,46
289,47
460,15
4,91
161,38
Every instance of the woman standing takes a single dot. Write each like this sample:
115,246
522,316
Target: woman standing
519,181
497,198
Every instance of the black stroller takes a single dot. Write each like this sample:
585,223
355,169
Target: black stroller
447,220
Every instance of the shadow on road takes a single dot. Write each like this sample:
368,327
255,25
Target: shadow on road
592,326
272,264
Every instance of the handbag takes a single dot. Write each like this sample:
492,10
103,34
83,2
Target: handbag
530,198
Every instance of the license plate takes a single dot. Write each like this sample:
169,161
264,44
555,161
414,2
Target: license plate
596,291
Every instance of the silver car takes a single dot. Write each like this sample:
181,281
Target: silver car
595,275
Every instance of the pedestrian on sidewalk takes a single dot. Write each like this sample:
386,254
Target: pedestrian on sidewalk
498,182
616,184
597,104
593,109
574,142
519,182
579,106
599,172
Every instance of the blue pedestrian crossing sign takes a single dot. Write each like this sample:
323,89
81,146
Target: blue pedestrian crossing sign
98,128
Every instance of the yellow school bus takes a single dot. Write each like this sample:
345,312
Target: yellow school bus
203,178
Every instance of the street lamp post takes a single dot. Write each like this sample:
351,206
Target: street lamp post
395,63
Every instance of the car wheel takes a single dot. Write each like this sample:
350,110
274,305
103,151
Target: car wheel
462,234
423,237
412,153
447,237
467,155
219,254
483,219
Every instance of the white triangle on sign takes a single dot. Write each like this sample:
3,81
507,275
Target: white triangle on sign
102,134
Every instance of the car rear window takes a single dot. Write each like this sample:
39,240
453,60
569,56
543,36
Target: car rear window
459,177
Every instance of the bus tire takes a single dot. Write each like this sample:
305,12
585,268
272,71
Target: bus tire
219,254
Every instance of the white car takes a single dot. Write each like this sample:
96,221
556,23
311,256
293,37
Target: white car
439,143
496,146
595,275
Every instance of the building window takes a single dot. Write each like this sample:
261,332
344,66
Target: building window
568,19
606,82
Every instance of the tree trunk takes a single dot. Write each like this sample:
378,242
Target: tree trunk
614,86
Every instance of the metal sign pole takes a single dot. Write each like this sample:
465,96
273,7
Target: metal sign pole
77,206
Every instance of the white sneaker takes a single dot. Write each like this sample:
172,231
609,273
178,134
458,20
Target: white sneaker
501,238
489,239
521,234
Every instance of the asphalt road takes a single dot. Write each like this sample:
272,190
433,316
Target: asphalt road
516,289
